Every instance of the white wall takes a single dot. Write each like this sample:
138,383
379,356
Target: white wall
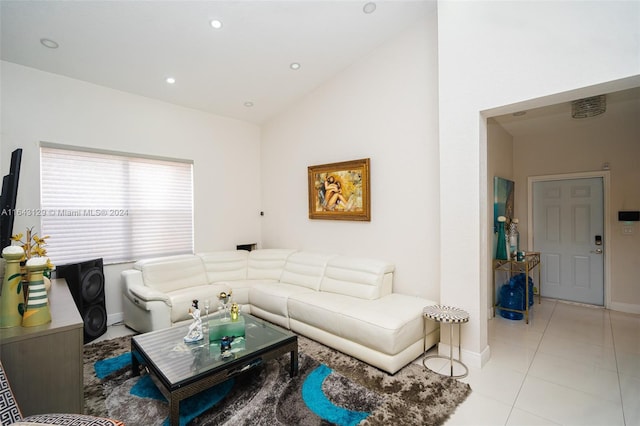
499,163
493,54
38,106
383,107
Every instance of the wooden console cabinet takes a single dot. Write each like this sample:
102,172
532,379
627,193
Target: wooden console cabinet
44,363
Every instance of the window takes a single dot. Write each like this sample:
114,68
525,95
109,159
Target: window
114,206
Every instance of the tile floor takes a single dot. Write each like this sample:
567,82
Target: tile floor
113,331
571,365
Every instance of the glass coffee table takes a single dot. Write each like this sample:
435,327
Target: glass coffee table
181,369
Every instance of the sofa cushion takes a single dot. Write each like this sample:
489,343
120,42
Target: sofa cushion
388,324
319,309
267,263
241,288
225,265
273,297
173,273
358,277
143,262
302,273
305,269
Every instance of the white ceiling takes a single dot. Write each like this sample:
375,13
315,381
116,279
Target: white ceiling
556,118
134,46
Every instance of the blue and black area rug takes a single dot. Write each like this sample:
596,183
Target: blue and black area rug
331,388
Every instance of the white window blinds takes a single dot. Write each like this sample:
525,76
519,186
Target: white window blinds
117,207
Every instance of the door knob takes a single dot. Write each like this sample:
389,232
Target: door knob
597,251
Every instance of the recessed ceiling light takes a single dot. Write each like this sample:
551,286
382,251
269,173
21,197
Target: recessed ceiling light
248,104
294,66
216,24
170,80
369,7
49,43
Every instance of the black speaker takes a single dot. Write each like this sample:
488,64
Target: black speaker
86,282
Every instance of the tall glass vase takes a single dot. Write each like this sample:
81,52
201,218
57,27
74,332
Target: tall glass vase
514,239
37,310
501,249
12,298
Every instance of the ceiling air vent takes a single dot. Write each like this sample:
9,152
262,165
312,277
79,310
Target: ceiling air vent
589,107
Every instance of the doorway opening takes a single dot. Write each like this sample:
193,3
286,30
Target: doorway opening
538,138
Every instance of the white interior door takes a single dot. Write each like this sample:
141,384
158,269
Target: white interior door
568,228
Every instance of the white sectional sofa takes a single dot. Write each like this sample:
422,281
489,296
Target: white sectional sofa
343,302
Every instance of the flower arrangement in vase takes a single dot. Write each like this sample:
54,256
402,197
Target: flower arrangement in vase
33,246
28,268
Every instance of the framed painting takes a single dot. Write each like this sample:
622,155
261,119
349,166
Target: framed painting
340,191
503,200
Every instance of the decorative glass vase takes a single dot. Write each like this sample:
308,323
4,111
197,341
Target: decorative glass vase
37,309
501,249
225,303
514,239
12,299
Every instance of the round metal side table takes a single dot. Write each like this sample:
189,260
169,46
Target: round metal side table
451,316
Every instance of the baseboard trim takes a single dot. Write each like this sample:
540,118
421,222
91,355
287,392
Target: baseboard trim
625,307
471,359
115,318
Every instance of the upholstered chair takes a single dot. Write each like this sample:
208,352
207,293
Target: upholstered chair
10,412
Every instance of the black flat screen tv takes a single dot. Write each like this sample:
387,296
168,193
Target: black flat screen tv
8,199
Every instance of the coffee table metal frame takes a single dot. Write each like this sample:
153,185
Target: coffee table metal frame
204,379
451,316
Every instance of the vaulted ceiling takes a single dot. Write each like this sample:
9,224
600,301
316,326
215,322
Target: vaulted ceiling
241,70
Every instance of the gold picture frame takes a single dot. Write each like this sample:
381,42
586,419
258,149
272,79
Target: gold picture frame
340,191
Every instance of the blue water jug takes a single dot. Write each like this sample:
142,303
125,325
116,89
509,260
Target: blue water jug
519,281
511,297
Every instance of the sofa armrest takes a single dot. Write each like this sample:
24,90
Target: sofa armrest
135,290
149,295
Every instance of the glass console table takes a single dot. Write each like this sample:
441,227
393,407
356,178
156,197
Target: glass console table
527,266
